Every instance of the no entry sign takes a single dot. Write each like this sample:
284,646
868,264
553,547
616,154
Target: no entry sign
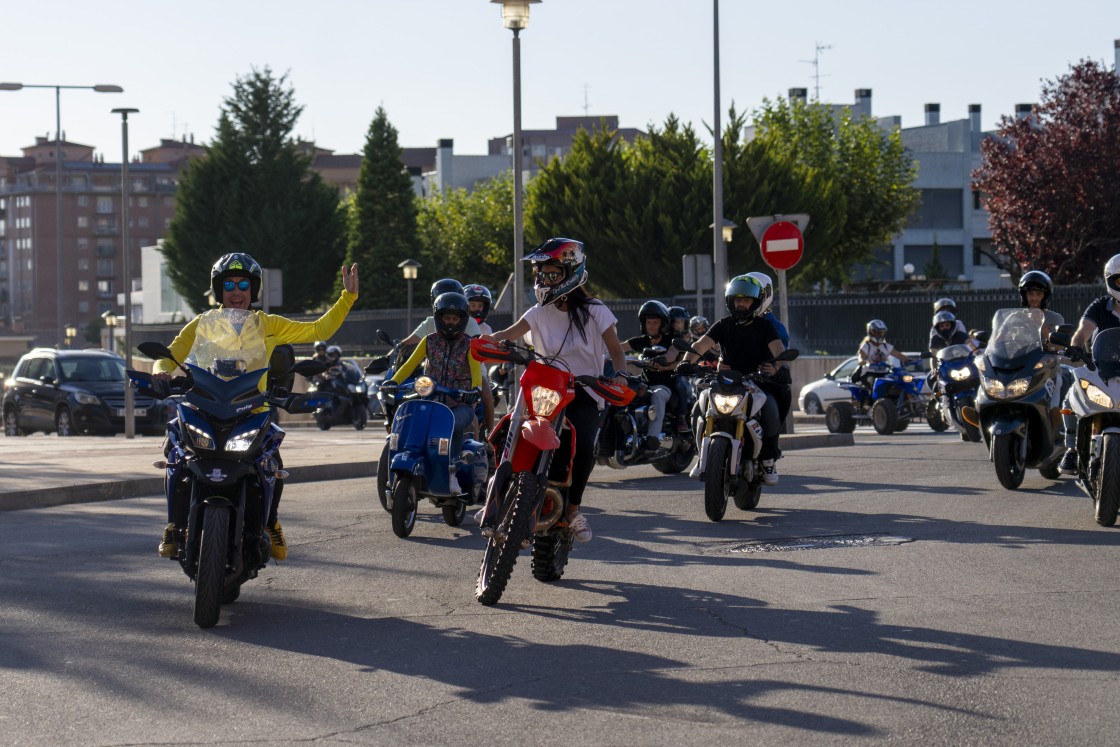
782,245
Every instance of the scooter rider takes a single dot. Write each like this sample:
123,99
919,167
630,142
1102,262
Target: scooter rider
1102,313
480,299
428,326
748,342
655,320
450,364
236,280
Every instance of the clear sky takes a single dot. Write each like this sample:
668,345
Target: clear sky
443,68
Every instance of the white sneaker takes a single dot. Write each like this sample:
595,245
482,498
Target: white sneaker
581,531
769,472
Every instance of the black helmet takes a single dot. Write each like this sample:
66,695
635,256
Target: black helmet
675,313
446,285
944,304
237,264
654,309
451,302
478,292
944,317
742,286
1036,280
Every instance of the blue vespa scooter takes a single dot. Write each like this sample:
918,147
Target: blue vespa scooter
420,461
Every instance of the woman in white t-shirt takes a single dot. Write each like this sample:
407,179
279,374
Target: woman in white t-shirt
579,330
875,350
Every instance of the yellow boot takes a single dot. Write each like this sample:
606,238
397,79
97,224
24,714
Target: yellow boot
168,548
279,546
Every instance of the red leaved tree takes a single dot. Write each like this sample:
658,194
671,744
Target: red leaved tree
1051,181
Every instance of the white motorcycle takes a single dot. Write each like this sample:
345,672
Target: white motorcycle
730,437
1095,399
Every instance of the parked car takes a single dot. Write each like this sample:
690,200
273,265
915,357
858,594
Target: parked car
816,396
70,392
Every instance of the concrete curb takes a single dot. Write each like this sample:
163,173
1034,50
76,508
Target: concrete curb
143,486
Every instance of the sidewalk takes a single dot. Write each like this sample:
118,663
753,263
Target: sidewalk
41,470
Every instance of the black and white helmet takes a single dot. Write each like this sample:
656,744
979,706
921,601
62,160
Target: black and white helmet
877,330
699,325
1112,276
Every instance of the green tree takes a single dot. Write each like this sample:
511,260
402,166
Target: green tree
382,218
869,166
469,235
934,270
254,192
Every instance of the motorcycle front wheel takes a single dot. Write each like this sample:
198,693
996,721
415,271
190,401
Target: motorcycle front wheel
1009,467
359,418
1107,498
404,505
503,546
209,581
716,478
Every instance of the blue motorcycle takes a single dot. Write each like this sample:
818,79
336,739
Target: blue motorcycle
888,398
955,388
419,459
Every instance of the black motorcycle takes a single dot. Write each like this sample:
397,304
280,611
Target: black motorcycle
221,466
346,385
622,436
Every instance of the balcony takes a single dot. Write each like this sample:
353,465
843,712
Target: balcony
106,230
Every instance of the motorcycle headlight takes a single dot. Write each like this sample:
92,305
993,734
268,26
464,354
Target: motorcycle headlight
1018,387
242,441
726,403
960,374
424,386
86,399
358,388
545,401
994,388
907,378
1096,395
199,437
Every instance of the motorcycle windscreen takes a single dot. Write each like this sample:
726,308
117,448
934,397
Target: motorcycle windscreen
422,429
1017,337
1106,353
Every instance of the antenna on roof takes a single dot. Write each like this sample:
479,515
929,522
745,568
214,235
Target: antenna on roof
586,103
816,63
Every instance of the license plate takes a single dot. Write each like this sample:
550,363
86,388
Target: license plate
136,411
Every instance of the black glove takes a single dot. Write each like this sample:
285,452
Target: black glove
389,387
470,397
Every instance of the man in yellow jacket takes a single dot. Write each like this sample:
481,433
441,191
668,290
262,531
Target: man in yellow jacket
236,282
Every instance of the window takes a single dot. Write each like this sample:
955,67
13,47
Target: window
83,245
105,288
142,221
104,205
142,201
83,263
83,286
106,250
83,200
939,208
83,221
169,202
83,307
951,257
105,267
169,299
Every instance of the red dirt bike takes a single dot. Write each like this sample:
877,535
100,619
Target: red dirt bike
522,504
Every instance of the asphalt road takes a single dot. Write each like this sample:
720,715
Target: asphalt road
886,592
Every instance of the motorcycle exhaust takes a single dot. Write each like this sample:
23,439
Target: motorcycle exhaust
971,416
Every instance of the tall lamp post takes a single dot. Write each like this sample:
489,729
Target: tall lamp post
719,248
110,320
100,88
515,17
409,267
723,239
129,412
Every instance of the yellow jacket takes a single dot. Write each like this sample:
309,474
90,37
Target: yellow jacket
278,330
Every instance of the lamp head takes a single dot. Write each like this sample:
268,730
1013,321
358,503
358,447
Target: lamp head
515,13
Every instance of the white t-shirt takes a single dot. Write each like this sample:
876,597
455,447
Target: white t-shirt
876,352
428,326
553,332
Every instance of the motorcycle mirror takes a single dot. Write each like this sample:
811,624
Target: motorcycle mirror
681,344
1060,337
308,368
1068,329
650,352
981,335
789,354
377,365
384,337
156,351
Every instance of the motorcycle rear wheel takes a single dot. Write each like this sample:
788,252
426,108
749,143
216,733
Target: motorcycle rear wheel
884,417
453,515
550,554
1009,467
209,581
504,546
839,418
677,460
747,495
359,418
404,506
1107,500
383,478
716,479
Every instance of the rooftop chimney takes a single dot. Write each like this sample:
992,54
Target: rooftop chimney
974,117
933,114
863,102
798,95
1022,111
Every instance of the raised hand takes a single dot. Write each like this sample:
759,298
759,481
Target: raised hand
350,278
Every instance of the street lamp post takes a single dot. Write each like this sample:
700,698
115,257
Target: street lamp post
409,268
110,320
515,17
719,248
129,412
100,88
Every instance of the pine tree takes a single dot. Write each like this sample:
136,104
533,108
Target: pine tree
382,231
254,192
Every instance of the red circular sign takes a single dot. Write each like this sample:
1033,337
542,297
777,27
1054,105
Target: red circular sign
782,245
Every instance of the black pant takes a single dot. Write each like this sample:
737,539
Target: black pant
583,414
781,395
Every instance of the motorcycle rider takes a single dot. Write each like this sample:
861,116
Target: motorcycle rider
946,332
450,364
779,386
579,330
678,321
654,320
235,280
480,299
1102,313
320,352
948,304
875,350
766,305
748,342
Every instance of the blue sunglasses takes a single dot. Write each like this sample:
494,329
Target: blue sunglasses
241,285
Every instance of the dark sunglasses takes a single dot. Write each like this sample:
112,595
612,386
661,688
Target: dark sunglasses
242,285
551,276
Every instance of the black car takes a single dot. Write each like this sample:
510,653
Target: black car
72,392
